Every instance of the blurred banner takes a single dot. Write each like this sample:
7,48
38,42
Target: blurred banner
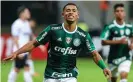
7,44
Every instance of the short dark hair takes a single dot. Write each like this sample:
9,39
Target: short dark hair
21,9
70,4
118,5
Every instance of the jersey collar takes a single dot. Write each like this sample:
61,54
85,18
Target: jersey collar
68,31
120,26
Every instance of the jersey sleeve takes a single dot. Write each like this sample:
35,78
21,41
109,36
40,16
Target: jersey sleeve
89,44
105,33
44,36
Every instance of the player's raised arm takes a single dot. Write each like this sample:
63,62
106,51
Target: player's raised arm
42,38
96,56
26,48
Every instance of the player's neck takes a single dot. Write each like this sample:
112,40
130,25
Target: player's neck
120,22
70,27
22,18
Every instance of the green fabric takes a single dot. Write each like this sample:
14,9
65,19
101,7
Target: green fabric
116,32
64,47
101,64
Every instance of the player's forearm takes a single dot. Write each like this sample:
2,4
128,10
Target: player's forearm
26,48
130,43
98,60
111,42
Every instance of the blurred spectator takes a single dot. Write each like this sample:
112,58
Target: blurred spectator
83,26
104,5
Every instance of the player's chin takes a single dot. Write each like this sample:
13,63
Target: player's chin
120,18
70,21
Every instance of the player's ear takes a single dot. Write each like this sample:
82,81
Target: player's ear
78,16
62,14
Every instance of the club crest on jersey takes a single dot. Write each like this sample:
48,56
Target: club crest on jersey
128,32
76,42
68,40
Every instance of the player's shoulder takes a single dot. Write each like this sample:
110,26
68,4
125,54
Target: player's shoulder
81,32
129,25
110,25
17,22
55,26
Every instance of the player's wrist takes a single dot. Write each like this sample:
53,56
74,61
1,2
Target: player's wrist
101,64
129,42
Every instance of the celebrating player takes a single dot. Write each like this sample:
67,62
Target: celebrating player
65,42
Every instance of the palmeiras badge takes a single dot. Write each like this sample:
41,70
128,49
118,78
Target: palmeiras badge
76,42
68,40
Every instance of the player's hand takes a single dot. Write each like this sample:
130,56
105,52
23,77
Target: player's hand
123,41
107,73
131,46
11,57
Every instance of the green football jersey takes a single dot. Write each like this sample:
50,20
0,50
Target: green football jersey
113,31
64,47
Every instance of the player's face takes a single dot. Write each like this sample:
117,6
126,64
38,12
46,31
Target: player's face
119,13
26,13
70,13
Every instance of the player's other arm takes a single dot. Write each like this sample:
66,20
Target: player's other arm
99,61
96,56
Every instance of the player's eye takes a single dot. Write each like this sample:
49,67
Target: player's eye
68,10
74,10
122,10
117,10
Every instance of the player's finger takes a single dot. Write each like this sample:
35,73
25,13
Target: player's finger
13,58
6,59
108,78
109,75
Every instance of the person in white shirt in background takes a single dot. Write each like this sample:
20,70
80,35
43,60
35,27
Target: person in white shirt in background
21,33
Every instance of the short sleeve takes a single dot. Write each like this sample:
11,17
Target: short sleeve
44,36
89,44
105,33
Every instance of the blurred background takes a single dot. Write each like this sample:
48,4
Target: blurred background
93,16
